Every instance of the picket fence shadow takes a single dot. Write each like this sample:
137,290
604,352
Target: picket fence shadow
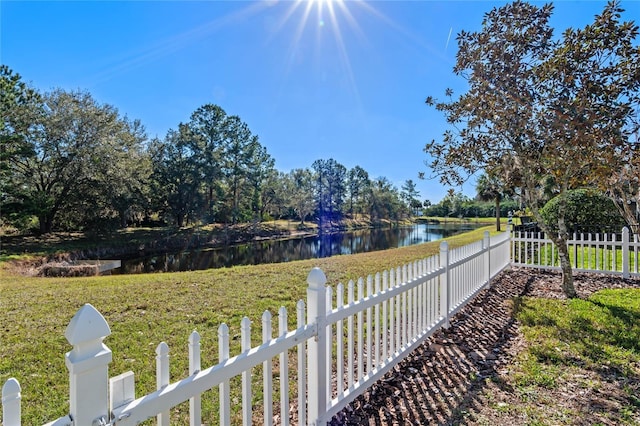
343,344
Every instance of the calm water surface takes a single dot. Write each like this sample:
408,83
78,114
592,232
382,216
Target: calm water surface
325,245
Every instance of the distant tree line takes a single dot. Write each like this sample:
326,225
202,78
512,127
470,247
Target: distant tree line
69,162
457,205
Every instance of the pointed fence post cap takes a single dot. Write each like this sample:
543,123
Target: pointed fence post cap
316,278
87,325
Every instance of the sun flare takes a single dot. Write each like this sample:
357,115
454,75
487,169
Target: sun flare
323,8
333,16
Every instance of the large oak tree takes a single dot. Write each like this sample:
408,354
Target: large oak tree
75,156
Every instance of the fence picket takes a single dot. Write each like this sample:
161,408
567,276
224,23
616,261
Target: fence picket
195,406
247,397
444,283
403,309
224,387
284,370
385,331
414,295
340,344
329,337
302,369
369,327
267,370
11,403
398,330
360,333
636,251
625,252
162,377
350,336
376,314
392,315
597,252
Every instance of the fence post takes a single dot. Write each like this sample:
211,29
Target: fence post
444,282
486,245
88,365
625,252
11,403
316,352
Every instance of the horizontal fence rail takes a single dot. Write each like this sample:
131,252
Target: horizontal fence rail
346,338
616,253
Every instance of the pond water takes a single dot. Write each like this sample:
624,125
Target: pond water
270,251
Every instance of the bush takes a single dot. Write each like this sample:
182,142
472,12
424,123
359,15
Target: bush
66,269
586,210
17,223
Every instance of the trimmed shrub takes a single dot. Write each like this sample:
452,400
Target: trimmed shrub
586,210
65,269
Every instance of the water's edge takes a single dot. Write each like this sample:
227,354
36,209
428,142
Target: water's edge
289,249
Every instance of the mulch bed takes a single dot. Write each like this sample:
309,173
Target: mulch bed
461,375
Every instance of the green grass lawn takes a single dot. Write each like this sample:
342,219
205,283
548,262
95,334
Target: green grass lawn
569,339
604,329
583,257
143,310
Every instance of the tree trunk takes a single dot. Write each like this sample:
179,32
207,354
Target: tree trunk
567,271
45,222
122,215
498,214
560,238
563,250
561,242
210,205
42,222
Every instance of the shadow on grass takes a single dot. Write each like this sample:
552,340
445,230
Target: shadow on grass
602,332
598,336
628,335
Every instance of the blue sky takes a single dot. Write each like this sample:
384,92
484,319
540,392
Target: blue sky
323,79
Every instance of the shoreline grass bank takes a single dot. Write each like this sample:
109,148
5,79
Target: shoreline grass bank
79,245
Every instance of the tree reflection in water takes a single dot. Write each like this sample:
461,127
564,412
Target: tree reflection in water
324,245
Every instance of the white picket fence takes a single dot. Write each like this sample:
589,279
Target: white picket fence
603,253
349,338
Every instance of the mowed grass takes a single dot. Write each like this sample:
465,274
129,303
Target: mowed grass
144,310
582,256
575,344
